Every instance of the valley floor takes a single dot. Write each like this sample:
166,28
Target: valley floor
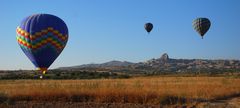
139,92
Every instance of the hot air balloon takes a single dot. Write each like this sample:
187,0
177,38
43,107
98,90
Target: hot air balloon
148,27
201,25
42,37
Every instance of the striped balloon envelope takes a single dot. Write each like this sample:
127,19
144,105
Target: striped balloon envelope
42,37
201,25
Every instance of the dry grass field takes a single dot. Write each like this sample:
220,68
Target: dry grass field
142,90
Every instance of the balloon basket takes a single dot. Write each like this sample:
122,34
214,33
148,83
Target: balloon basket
41,76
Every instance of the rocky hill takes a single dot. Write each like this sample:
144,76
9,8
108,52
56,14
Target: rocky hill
166,64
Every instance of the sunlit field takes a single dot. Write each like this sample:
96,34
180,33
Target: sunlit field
143,90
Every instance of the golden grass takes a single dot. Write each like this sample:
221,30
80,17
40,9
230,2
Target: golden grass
144,90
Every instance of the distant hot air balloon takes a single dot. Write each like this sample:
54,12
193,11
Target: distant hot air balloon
201,25
148,27
42,37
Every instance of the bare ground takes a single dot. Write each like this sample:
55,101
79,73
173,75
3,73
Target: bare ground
224,103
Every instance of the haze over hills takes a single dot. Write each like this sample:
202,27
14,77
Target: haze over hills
113,63
165,64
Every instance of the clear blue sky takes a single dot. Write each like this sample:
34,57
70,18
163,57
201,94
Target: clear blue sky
104,30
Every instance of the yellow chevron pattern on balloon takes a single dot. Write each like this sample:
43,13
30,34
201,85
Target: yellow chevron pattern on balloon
39,39
41,33
56,44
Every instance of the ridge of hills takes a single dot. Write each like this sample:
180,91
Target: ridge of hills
163,64
101,65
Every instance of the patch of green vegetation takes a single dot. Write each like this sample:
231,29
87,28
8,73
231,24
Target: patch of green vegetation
60,74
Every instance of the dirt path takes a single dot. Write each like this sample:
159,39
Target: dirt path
225,103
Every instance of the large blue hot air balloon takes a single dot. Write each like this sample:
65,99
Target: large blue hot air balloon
42,37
